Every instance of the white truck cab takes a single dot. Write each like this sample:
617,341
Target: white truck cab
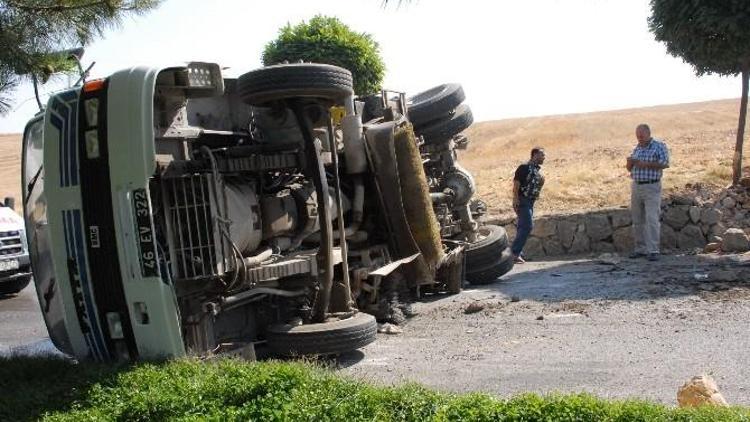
15,269
172,211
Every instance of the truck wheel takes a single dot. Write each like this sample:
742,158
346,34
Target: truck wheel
491,242
284,81
324,338
15,286
434,103
447,127
489,257
490,274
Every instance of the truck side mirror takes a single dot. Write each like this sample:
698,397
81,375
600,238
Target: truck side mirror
9,202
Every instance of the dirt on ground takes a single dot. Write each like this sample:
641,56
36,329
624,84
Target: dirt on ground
10,167
610,326
585,165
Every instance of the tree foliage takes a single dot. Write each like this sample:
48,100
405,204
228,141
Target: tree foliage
711,35
327,40
714,37
32,32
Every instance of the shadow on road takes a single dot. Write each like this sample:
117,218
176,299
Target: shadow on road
348,359
624,279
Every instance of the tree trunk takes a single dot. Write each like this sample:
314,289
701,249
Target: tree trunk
36,92
737,164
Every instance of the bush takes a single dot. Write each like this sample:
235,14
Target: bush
327,40
59,390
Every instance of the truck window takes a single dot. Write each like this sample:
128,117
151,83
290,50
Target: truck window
35,202
33,143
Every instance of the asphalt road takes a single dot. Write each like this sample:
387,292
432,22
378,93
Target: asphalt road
22,328
633,329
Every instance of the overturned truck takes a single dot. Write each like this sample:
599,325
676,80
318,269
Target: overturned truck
174,212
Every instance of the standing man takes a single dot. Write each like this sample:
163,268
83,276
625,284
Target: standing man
646,164
527,183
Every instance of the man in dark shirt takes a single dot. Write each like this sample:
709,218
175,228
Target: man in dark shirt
527,184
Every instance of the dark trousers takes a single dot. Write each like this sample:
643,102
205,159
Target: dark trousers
524,224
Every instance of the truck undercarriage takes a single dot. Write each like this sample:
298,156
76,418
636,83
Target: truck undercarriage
274,212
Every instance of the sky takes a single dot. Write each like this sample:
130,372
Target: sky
513,58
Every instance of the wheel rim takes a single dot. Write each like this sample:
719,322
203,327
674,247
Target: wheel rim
482,233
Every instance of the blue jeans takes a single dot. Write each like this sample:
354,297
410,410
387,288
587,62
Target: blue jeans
524,225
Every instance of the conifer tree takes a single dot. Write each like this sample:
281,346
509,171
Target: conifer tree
714,37
34,32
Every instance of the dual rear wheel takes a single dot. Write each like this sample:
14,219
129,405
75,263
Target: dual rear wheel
489,257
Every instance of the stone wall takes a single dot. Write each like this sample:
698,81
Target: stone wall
685,226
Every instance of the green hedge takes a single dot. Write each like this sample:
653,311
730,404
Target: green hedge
58,390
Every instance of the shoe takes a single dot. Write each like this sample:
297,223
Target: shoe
653,257
518,259
636,255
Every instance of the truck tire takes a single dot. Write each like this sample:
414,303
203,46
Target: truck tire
490,274
434,103
491,242
326,338
447,127
489,257
284,81
15,286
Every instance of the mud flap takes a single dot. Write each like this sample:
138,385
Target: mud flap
452,270
382,157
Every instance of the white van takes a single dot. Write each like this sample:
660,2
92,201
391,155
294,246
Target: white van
15,271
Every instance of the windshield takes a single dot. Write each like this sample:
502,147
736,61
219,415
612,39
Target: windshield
35,205
37,230
33,193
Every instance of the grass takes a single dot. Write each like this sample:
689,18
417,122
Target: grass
58,390
586,153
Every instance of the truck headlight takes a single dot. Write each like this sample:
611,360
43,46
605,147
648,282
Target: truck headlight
205,75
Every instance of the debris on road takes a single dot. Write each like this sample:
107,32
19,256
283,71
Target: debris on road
473,308
608,259
699,391
389,328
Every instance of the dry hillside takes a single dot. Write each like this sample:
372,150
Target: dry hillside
10,167
586,153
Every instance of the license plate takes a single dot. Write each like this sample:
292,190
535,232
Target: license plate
145,233
9,265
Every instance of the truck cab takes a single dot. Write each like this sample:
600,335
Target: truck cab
169,216
172,211
15,268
